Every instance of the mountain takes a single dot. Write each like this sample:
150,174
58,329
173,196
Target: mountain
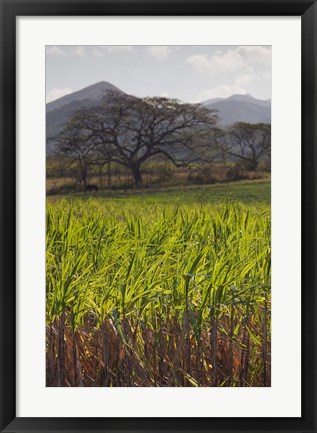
58,112
240,108
94,92
244,108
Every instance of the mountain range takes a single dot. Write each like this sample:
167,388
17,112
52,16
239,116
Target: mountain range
58,112
241,108
244,108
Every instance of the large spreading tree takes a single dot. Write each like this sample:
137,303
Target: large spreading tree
129,131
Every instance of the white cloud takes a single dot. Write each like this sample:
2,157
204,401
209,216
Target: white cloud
80,51
256,55
245,60
200,62
159,53
164,95
57,93
103,50
244,69
222,91
54,50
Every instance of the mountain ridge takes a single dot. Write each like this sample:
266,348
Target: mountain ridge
93,92
239,97
235,108
240,108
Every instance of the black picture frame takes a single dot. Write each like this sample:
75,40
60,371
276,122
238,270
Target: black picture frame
9,10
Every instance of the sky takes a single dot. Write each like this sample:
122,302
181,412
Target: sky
188,73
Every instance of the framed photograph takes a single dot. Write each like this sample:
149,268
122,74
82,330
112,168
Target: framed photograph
158,175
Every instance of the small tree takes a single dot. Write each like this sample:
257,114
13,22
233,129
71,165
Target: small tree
78,144
248,142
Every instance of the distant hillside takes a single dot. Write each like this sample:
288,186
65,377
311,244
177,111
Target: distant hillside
93,92
236,108
241,108
58,112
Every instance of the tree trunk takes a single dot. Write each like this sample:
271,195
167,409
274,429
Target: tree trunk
137,175
254,165
100,175
255,161
109,174
83,172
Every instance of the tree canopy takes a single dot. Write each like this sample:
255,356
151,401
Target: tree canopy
247,142
129,131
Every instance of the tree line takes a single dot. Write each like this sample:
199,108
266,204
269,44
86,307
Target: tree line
130,131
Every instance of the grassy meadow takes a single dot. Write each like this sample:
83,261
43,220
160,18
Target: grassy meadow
159,287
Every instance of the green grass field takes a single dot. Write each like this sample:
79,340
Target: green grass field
248,192
159,287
